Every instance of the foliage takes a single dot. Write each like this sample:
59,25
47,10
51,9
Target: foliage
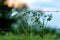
25,24
24,20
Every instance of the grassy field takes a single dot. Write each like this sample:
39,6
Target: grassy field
29,37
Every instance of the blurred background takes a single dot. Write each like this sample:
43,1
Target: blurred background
29,20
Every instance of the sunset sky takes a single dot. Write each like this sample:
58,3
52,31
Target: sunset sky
39,4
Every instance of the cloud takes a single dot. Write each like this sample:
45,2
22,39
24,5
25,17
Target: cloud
36,3
45,4
27,1
44,1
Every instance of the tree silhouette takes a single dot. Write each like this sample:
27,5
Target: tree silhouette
5,20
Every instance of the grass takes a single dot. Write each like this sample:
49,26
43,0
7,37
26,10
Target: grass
19,37
29,37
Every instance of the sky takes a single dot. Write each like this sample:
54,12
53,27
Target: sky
44,4
47,5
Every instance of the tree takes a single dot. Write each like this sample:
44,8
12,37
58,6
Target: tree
4,21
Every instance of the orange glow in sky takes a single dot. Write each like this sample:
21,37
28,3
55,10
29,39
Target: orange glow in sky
14,3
